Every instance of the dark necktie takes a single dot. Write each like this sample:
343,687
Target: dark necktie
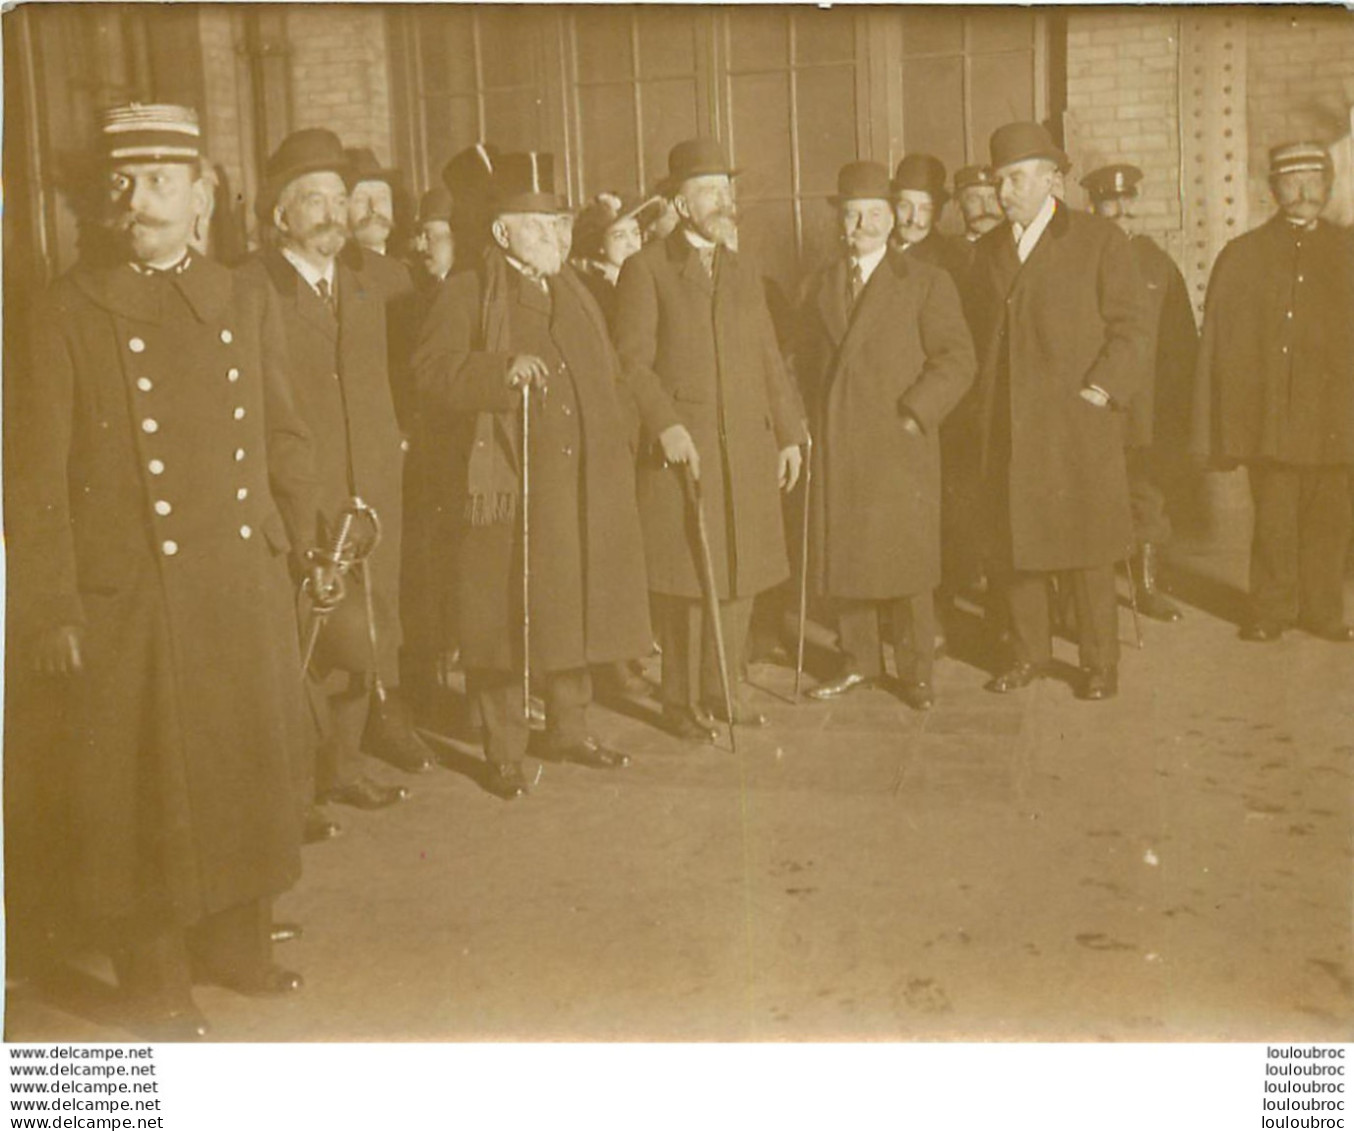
326,294
855,284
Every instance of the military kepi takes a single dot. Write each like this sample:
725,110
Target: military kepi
971,175
1299,157
151,132
1111,181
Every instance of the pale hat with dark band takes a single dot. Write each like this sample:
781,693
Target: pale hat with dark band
151,132
1299,157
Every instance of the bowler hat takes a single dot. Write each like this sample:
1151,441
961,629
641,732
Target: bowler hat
695,157
524,182
435,204
1298,157
156,132
363,166
922,173
972,175
305,151
1022,141
862,180
469,173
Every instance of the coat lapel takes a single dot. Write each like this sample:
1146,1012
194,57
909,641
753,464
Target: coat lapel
832,302
876,303
299,296
688,263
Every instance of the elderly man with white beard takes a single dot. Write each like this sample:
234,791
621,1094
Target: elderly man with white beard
518,327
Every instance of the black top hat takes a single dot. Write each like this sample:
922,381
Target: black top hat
923,173
435,204
524,182
363,166
159,132
971,175
1112,180
695,157
1021,141
305,151
470,172
862,180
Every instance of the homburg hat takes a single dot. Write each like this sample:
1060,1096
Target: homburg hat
315,150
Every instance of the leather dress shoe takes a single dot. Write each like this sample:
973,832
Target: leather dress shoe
319,827
1336,633
184,1024
742,717
1021,675
1261,632
363,793
391,737
1100,683
685,725
509,780
266,981
1153,604
591,753
285,932
838,687
920,696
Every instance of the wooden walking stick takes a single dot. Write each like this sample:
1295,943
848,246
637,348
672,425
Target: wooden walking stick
711,594
804,567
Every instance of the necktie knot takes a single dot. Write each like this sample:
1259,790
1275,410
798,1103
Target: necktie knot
326,293
856,283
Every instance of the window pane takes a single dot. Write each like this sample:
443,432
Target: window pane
761,133
669,115
825,36
510,42
1003,91
933,108
826,100
447,50
607,138
822,240
929,32
603,37
511,121
1001,29
758,39
667,43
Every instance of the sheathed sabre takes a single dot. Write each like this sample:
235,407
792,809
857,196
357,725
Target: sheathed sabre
343,554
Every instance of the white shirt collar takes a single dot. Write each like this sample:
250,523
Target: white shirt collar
696,240
1026,238
521,268
308,271
868,263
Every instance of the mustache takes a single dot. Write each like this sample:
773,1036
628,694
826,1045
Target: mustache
129,220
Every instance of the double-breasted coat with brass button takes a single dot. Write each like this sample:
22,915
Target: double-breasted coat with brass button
158,477
1276,363
340,377
589,600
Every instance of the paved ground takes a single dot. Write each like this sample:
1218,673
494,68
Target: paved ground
1171,865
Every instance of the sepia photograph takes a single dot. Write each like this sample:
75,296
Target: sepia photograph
678,523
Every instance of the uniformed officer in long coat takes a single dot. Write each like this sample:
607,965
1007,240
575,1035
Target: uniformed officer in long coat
335,321
1060,322
160,482
1275,393
884,356
1158,414
699,352
518,326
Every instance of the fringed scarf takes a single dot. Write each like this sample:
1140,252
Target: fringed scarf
493,474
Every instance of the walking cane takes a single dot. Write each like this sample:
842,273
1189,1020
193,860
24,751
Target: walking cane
804,567
1133,597
526,551
711,594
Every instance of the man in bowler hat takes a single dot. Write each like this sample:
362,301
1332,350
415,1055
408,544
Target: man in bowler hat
919,197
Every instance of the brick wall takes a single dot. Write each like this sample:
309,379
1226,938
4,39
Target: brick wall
340,73
1300,86
1123,106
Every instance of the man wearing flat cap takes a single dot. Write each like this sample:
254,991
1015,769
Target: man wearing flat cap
1159,412
699,353
1060,322
160,481
519,327
884,355
335,318
1275,393
919,197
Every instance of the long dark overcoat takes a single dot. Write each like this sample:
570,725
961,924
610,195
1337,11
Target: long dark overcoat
702,352
159,477
589,600
1159,413
1073,315
904,349
1276,363
341,387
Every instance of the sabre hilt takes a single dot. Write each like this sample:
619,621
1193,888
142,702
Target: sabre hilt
327,588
